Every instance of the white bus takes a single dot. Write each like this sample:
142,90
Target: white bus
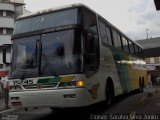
71,57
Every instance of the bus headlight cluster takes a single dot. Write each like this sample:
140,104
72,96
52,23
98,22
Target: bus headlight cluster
67,84
78,83
15,88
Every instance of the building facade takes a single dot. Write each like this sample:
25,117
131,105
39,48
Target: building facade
152,57
9,11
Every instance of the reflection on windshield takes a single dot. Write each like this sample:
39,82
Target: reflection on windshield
55,19
61,54
21,52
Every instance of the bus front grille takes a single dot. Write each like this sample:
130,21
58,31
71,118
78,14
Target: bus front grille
38,86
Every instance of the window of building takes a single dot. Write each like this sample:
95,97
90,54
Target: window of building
156,59
1,13
1,30
4,13
9,14
9,31
1,66
152,60
147,60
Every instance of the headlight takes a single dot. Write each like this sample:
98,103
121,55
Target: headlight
67,84
78,83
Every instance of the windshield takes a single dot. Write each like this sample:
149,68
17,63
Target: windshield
60,54
49,20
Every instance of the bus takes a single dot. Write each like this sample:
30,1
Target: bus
71,57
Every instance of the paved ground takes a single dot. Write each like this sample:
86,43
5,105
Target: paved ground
2,105
147,103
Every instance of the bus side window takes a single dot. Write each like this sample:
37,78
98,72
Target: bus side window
103,33
90,22
139,51
120,42
142,53
131,46
109,40
125,44
116,39
136,50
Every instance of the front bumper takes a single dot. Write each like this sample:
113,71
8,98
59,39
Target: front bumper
52,98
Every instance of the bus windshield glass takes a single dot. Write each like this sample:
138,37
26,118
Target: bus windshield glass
60,53
49,20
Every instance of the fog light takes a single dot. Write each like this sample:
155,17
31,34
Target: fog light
18,103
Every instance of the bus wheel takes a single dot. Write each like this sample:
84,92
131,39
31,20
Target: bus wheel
109,93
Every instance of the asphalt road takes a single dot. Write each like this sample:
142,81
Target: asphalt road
146,104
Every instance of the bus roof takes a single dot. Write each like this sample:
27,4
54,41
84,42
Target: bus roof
50,10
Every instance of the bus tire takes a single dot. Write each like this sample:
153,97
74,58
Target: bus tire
109,92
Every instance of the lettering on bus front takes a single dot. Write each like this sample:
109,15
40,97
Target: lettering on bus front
24,82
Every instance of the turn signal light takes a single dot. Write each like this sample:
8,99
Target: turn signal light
80,83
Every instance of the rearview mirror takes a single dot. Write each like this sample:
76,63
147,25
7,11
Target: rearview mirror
6,54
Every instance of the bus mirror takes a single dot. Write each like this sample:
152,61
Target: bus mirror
6,55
